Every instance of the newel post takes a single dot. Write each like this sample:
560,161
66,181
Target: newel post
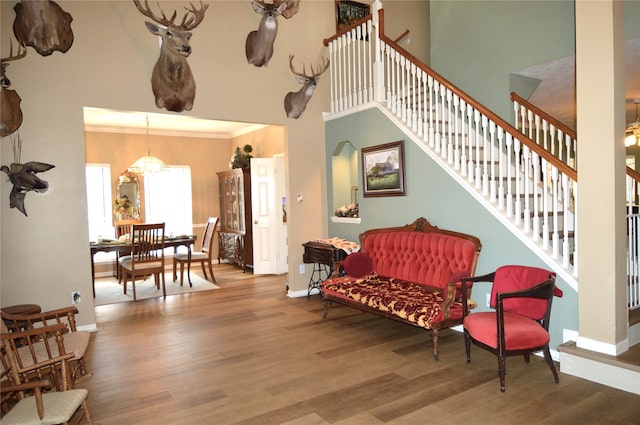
378,66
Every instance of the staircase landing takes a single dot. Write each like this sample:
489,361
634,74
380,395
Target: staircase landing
622,372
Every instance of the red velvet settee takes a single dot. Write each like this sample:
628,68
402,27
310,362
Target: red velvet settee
410,274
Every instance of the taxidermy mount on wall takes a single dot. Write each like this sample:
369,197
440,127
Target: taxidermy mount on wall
172,81
23,177
259,44
10,112
296,102
43,25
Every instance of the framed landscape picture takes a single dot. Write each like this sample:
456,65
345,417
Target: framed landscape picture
383,170
348,12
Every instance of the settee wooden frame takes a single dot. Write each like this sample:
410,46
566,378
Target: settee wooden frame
453,288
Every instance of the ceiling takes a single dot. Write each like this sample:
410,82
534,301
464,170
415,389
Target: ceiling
556,93
116,121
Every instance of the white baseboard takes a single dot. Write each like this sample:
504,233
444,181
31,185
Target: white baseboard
302,293
602,347
91,328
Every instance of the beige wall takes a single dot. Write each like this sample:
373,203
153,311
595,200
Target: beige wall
203,156
266,142
45,256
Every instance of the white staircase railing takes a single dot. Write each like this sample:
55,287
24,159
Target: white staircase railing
522,182
561,142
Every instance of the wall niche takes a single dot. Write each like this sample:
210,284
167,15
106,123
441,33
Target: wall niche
344,177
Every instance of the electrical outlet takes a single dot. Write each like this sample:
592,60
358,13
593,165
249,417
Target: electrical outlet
488,299
302,268
75,297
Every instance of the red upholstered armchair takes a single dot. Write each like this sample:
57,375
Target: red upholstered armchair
522,298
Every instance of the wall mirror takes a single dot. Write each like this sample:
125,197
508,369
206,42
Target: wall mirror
127,203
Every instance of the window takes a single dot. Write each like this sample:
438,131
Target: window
99,201
167,198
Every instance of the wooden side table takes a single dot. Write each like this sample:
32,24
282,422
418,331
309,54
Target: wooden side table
324,257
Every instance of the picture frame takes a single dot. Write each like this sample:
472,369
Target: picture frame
383,170
348,12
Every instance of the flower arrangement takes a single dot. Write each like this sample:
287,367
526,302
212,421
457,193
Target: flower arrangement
350,210
241,159
122,207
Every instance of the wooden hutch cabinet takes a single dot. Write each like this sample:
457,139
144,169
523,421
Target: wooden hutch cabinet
235,240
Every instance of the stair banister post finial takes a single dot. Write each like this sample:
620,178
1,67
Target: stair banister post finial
378,66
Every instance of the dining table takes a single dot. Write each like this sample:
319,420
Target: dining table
124,247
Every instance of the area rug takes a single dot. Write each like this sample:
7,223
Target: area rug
108,291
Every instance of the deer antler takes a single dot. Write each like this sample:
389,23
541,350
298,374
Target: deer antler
149,14
198,16
187,24
22,52
321,68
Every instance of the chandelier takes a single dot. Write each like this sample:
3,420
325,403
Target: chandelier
148,164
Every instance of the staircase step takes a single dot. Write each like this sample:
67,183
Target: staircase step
622,372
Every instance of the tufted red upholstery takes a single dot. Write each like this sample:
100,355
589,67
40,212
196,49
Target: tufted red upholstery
411,276
427,258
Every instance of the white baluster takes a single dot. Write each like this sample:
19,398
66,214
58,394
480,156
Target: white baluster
494,163
565,209
485,149
555,201
545,204
509,195
479,148
536,196
450,124
469,132
456,133
517,166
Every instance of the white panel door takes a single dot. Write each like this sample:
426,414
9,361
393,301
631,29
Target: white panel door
269,224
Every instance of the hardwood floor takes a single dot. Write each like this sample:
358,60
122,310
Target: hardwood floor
248,354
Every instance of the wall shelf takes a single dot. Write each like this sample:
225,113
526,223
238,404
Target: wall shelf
351,220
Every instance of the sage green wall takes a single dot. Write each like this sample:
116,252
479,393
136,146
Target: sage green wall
431,193
477,44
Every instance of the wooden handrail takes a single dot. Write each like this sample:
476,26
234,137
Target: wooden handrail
551,120
340,33
401,36
561,166
570,132
633,174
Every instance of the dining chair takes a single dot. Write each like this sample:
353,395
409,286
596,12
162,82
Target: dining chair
521,297
76,342
25,386
146,256
204,256
123,227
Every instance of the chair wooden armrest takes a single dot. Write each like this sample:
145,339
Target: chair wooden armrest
35,386
33,352
61,315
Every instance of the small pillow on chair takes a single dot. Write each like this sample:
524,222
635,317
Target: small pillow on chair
358,264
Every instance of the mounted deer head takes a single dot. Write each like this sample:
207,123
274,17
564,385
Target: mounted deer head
23,177
43,25
172,81
296,102
292,7
10,112
259,45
